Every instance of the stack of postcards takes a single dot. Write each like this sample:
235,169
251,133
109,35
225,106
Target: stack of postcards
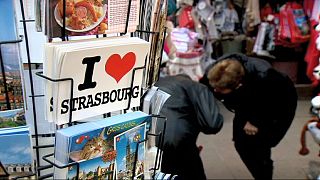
107,73
105,149
16,157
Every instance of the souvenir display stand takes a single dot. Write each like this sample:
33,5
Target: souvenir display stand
39,168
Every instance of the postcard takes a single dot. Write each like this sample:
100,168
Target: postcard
94,139
107,76
12,118
92,144
128,146
11,90
96,168
91,17
16,153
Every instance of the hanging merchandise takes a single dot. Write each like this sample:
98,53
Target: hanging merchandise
308,6
265,12
205,10
183,39
188,55
282,33
205,25
298,22
252,16
265,40
316,10
293,23
185,18
219,18
186,63
230,18
283,36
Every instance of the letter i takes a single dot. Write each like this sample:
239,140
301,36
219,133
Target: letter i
87,84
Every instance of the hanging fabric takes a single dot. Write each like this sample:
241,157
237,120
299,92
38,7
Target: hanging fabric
316,10
252,15
308,6
231,18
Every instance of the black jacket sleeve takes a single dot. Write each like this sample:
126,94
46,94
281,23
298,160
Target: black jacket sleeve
207,111
269,97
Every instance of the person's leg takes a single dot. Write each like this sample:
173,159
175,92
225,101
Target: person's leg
184,162
257,159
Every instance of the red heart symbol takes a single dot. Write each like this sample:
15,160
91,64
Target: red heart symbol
117,67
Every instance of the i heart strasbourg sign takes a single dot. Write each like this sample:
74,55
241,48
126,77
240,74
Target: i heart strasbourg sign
102,80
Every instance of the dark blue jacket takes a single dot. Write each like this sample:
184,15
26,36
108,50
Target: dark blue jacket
191,109
267,99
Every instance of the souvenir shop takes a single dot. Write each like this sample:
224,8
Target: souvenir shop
67,109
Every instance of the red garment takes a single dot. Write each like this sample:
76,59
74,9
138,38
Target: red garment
312,54
185,18
265,11
298,23
308,6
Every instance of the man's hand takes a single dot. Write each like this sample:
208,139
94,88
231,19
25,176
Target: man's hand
250,129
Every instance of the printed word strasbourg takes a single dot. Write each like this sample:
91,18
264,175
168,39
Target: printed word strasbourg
100,98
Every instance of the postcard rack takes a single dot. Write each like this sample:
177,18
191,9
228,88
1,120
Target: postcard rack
142,33
6,175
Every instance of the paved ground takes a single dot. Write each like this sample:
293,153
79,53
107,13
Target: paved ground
222,162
